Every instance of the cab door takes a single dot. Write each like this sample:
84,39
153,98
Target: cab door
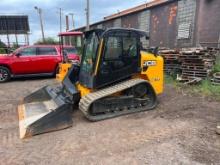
22,63
120,58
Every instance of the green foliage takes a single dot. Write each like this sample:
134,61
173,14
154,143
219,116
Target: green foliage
2,51
206,88
169,79
217,65
2,48
48,41
14,47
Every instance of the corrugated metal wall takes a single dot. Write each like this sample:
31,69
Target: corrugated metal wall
130,21
107,24
144,20
208,23
163,26
144,24
180,23
117,22
186,23
99,26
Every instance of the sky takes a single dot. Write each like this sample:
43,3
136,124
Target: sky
50,13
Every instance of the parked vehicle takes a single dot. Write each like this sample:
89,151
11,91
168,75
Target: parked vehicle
37,60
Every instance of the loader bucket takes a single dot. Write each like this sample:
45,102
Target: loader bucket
44,111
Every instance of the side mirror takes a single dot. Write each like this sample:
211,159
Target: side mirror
18,54
156,51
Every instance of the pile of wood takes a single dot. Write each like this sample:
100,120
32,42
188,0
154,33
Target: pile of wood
171,60
190,64
213,51
197,62
216,78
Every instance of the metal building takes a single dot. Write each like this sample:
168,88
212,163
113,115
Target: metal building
171,23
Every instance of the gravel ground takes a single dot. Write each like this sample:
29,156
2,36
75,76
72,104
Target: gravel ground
181,130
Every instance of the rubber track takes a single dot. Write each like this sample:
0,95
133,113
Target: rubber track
87,100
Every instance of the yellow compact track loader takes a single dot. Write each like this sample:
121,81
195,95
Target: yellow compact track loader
116,77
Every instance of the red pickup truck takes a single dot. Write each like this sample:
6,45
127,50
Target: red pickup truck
37,60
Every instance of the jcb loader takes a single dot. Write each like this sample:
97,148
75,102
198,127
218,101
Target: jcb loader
116,77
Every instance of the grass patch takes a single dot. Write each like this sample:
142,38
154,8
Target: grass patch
216,67
169,79
205,88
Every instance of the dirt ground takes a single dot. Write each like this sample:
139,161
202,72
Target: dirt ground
180,131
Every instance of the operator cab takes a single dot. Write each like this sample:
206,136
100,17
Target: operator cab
110,56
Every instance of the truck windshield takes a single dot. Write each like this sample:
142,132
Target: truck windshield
91,46
71,50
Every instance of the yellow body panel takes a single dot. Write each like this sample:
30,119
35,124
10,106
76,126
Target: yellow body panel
83,90
63,70
154,72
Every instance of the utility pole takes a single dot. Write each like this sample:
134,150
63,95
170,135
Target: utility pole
39,11
73,24
60,19
67,23
87,15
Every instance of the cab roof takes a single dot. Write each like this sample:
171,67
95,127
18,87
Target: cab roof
101,32
76,33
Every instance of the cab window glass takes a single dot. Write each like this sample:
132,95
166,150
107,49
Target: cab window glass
91,46
71,50
47,51
130,46
120,51
28,52
113,49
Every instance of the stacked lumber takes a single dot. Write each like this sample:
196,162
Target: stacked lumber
171,60
213,51
197,62
216,78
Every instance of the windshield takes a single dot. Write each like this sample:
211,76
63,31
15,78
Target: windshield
70,50
91,45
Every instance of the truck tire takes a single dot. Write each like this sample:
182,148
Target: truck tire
5,74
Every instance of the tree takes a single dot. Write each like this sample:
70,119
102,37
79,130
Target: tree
2,47
48,41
